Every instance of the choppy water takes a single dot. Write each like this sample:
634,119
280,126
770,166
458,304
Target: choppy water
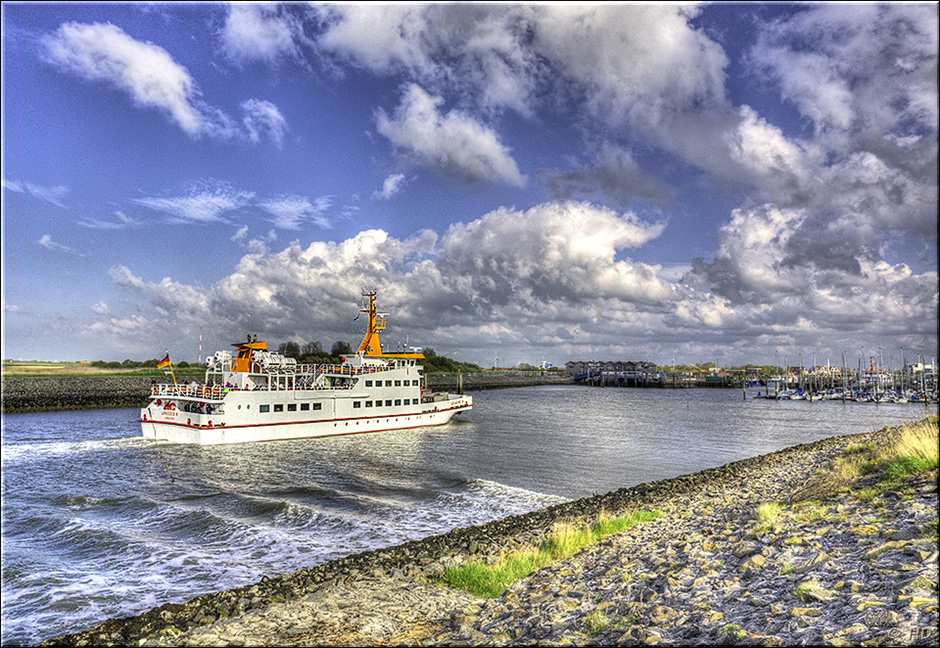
99,523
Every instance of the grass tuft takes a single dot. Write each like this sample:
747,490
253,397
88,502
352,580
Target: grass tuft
912,449
489,581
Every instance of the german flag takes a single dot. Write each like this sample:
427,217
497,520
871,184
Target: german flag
165,362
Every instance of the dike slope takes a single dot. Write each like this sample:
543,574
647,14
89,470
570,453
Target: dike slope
856,571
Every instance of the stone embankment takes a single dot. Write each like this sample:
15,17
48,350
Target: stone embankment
52,393
48,393
855,568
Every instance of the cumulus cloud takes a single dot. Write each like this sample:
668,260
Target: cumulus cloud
478,52
553,252
258,32
872,69
502,271
172,299
761,273
555,278
645,63
453,143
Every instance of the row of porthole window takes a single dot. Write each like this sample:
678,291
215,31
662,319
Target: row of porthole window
387,403
291,407
397,383
304,407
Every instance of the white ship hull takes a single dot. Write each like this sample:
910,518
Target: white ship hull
202,429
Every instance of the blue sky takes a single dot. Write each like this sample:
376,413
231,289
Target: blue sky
724,182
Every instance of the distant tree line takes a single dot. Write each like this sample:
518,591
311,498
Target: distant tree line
313,353
308,353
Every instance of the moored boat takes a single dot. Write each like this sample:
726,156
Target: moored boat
260,395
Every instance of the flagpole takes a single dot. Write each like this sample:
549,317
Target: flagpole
169,362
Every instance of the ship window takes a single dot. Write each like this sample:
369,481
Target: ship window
292,407
398,401
368,383
388,403
357,404
368,403
264,408
304,407
398,383
317,406
279,407
388,383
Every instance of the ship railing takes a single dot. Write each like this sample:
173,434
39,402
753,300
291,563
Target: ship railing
209,392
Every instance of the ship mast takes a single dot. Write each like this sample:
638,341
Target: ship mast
371,345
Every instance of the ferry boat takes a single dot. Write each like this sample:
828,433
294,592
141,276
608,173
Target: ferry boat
261,395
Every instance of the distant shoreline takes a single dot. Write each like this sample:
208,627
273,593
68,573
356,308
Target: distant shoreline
25,394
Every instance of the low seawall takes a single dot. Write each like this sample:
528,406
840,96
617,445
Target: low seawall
53,393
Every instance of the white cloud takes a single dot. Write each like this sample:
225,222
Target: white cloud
123,221
47,242
203,205
52,195
289,212
390,187
379,36
173,300
763,150
645,63
554,251
479,52
146,72
873,68
240,234
263,118
454,143
151,78
257,32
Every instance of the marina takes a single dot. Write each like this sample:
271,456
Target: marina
914,383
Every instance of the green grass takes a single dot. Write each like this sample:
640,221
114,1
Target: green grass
595,622
911,449
732,633
489,581
768,517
